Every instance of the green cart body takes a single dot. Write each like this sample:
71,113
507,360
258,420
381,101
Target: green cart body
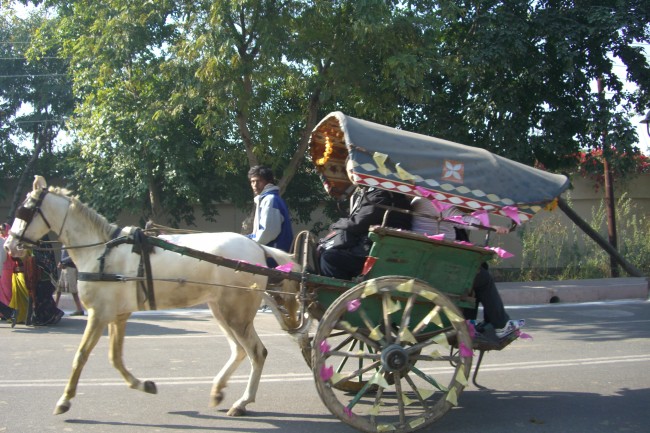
449,267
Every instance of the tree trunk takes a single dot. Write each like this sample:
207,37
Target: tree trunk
611,216
21,186
609,194
299,155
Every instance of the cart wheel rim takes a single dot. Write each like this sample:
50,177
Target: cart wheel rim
404,381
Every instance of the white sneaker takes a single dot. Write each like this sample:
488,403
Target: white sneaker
510,327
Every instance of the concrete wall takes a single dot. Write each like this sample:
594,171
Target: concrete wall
583,197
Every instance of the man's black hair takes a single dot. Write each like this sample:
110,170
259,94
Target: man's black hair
262,171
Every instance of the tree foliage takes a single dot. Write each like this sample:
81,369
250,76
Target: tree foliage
35,98
175,100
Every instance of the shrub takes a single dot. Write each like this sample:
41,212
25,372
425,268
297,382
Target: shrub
553,249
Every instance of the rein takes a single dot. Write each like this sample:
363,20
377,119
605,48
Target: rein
51,248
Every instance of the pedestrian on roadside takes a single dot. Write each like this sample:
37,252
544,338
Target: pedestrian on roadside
272,223
42,279
20,297
7,267
68,282
6,311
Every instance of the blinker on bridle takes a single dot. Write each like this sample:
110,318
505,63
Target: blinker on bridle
27,214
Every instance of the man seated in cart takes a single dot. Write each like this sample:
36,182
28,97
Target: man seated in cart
343,251
427,219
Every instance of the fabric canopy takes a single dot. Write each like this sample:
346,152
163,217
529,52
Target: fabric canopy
418,165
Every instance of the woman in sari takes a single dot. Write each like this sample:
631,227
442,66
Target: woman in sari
20,293
7,268
42,278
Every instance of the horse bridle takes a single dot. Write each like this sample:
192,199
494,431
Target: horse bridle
27,214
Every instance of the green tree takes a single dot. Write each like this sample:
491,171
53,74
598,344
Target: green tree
224,85
35,99
517,77
177,100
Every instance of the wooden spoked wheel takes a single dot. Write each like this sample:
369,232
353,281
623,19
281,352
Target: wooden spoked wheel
381,355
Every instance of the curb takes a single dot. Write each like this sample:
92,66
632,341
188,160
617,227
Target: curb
574,291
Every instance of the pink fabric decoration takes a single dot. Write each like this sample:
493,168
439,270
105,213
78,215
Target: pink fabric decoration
524,335
353,305
471,328
482,215
512,213
423,191
469,244
326,373
348,411
287,267
440,206
439,237
501,252
324,347
464,350
458,219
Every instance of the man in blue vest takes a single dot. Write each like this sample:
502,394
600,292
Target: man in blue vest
272,223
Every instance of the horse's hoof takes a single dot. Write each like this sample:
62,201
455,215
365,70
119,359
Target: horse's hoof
61,408
237,411
150,387
216,399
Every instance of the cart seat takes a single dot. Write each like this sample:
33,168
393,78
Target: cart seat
448,266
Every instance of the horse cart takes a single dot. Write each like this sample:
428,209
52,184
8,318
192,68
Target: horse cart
390,350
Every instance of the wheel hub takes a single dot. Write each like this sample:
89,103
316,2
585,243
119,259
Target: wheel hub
394,358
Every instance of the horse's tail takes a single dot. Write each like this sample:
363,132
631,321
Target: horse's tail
281,257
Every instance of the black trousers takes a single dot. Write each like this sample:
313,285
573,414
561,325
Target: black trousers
339,263
5,310
488,295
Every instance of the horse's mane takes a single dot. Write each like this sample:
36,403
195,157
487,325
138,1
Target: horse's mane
86,212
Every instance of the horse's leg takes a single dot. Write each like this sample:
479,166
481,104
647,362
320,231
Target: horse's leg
220,381
93,331
243,341
256,352
116,331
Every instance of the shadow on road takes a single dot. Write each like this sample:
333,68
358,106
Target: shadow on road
137,325
480,411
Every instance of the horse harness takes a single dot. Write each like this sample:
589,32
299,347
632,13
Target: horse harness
136,237
141,247
27,214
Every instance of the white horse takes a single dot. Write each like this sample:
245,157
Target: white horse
179,281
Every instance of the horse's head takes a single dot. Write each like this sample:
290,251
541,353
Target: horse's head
31,222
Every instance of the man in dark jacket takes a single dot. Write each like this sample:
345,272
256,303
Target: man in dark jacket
344,253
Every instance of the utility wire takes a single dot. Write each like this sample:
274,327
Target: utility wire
33,75
22,58
38,121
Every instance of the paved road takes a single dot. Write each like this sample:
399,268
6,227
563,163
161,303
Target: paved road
584,371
